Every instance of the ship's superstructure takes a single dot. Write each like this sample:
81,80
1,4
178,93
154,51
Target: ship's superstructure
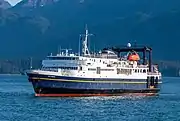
111,71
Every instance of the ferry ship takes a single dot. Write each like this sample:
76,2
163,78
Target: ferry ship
113,71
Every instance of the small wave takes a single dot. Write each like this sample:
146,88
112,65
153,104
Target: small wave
131,97
15,94
168,94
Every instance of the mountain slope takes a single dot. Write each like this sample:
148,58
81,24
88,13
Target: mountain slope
35,3
154,22
4,4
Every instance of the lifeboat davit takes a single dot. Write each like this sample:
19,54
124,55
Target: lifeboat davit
133,57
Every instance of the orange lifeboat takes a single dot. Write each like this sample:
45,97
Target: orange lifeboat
133,57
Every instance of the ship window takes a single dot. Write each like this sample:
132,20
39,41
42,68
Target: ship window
118,71
100,60
135,70
144,71
91,69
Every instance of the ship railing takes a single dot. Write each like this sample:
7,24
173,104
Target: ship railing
138,66
142,66
102,56
154,73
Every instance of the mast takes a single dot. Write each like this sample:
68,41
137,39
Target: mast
79,49
85,49
30,63
59,49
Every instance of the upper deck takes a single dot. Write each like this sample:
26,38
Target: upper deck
145,50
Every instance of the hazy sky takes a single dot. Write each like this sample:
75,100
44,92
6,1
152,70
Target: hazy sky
13,2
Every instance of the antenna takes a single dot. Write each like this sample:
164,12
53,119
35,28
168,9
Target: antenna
30,63
85,49
59,49
135,43
80,38
94,50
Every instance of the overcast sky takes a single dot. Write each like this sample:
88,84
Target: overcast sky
13,2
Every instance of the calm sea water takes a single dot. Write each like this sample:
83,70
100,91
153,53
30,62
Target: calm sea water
17,103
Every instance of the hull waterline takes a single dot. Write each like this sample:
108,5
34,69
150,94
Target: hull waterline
96,95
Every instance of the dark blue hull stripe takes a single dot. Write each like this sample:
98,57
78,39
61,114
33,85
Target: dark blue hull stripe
86,81
87,85
90,92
